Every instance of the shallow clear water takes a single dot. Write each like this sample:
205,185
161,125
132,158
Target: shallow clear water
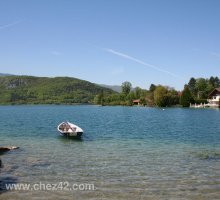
126,152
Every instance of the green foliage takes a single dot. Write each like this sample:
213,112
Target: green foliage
152,87
186,97
149,97
100,98
200,88
138,92
143,101
64,90
160,96
214,81
124,98
192,84
126,87
199,101
41,90
165,97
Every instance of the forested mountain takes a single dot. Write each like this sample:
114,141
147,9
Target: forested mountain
43,90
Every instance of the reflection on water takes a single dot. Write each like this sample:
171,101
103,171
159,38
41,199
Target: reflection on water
69,139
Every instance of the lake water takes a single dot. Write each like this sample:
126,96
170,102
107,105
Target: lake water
126,152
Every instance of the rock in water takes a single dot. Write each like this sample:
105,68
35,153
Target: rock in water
4,149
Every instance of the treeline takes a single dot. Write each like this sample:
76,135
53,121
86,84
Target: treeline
196,91
126,97
156,95
200,88
65,90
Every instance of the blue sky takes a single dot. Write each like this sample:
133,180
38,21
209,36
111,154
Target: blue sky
143,41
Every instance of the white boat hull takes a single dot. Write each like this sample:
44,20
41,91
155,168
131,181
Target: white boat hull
69,130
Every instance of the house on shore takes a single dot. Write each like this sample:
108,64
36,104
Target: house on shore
136,102
214,98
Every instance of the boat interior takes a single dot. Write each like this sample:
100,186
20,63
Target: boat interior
66,127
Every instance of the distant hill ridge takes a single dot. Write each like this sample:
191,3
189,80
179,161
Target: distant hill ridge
44,90
2,74
116,88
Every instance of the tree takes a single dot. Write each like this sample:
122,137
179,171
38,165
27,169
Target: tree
201,86
152,87
165,96
192,84
209,88
138,92
173,97
217,82
160,98
149,96
143,101
99,99
214,81
186,97
126,87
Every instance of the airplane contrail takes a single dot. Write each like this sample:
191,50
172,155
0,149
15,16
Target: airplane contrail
123,55
10,24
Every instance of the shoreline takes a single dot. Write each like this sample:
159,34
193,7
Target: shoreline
108,105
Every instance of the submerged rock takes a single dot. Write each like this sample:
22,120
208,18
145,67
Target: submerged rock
4,179
208,155
4,149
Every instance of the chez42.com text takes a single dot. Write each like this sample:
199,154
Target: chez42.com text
66,186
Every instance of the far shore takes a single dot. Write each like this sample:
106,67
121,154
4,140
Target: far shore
92,104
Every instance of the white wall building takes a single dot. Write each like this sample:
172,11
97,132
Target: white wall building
214,98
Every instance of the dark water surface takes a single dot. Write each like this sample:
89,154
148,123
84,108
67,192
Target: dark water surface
126,152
